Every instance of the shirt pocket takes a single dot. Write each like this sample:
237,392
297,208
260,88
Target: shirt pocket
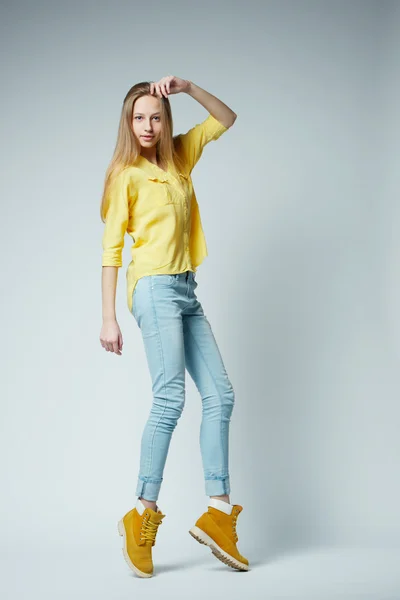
185,185
163,192
184,180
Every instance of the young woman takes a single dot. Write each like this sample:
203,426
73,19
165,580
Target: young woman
148,193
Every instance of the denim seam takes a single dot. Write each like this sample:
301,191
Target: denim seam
216,388
163,363
149,479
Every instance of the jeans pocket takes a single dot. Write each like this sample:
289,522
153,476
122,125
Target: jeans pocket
162,280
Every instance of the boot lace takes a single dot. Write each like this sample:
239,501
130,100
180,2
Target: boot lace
234,520
149,530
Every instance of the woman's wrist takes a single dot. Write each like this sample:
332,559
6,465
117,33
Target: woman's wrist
109,318
189,87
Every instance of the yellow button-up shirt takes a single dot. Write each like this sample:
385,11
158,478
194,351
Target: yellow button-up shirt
159,211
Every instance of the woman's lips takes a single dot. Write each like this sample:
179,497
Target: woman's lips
147,137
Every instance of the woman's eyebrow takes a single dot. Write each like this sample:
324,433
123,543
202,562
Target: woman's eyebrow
157,113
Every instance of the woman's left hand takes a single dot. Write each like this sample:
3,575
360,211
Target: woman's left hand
169,85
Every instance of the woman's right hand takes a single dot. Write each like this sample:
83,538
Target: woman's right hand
111,337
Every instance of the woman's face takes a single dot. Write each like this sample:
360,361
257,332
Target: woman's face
146,120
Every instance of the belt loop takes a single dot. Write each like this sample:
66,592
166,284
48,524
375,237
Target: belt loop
187,275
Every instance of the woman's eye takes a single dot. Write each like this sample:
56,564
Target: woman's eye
138,117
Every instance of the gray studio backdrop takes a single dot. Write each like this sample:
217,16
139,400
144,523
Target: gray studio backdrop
299,202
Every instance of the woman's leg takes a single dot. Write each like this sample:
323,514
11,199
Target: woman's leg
205,365
158,315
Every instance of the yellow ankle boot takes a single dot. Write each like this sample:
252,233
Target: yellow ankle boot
217,530
139,532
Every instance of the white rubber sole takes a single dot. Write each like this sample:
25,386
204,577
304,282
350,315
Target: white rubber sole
122,532
223,556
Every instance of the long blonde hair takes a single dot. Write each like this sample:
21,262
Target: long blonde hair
127,148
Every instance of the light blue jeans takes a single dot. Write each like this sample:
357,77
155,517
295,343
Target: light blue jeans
177,335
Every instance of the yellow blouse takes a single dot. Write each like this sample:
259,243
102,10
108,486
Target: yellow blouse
160,213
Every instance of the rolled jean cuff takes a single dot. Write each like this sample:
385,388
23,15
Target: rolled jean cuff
218,487
149,490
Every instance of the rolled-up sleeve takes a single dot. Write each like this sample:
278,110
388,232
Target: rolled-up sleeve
116,221
192,143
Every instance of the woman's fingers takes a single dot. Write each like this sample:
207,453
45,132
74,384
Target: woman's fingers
162,87
111,338
164,91
113,346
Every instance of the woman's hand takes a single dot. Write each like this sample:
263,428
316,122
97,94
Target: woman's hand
169,85
111,337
